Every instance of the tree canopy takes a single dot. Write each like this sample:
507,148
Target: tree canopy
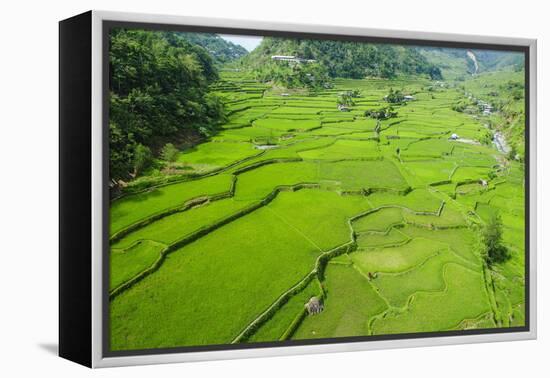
293,75
222,51
158,86
395,96
495,251
347,59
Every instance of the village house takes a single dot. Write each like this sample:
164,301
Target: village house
285,58
486,108
314,306
291,58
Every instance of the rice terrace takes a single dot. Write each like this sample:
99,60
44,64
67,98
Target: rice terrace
311,189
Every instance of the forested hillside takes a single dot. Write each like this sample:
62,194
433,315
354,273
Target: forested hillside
221,50
158,87
456,64
338,59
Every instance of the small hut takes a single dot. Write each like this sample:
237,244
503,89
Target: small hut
454,136
314,306
343,108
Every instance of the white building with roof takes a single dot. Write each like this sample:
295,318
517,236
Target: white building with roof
291,58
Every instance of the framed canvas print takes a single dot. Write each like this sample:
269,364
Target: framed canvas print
236,189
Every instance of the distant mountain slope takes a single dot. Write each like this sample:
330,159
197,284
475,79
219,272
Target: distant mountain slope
498,60
358,60
221,50
346,59
455,63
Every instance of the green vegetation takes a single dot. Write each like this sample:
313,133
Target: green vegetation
127,263
312,75
464,297
395,259
455,64
351,302
395,97
216,154
173,227
169,152
504,91
382,113
143,158
221,50
243,279
130,209
243,186
495,251
380,220
158,88
279,326
346,59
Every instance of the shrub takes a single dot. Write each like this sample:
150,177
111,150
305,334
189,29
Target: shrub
204,131
382,113
345,98
395,97
169,152
512,153
486,138
143,158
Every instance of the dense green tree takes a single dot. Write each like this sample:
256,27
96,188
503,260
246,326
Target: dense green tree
169,152
143,158
120,153
395,96
512,153
382,113
435,73
495,251
345,98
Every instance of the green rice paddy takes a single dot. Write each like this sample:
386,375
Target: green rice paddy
383,227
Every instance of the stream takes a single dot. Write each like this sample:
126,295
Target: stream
500,142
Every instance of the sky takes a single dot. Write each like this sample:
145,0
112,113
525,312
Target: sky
246,41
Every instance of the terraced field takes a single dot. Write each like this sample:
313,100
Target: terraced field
293,199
